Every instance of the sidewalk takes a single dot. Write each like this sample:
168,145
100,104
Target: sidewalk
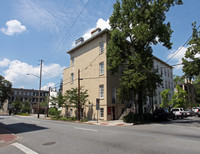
6,137
110,123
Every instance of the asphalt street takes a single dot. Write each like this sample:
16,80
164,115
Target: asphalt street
55,137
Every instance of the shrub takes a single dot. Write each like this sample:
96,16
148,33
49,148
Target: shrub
53,111
84,120
64,119
148,117
134,118
55,114
25,114
72,119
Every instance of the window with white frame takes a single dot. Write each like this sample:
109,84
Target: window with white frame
72,61
72,77
101,91
101,112
101,68
71,112
101,47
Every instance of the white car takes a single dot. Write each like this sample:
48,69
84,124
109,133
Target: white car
184,112
178,112
196,109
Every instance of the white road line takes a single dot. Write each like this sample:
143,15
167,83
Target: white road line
24,149
93,130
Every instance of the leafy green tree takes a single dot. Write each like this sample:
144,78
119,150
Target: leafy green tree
179,99
191,62
178,79
58,101
197,88
5,89
166,103
16,106
26,107
136,25
72,99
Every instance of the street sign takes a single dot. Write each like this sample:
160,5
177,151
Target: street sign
97,104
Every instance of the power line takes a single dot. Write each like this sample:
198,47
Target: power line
181,47
68,31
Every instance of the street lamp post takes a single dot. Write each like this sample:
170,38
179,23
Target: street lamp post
39,86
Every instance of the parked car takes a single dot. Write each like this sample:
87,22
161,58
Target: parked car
163,114
184,113
178,112
196,110
171,115
198,114
160,114
190,112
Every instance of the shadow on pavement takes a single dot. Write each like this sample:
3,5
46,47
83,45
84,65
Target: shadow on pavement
22,127
181,121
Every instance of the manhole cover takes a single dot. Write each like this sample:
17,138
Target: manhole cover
49,143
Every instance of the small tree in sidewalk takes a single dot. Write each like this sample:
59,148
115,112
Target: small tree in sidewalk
179,99
26,107
166,103
16,106
71,97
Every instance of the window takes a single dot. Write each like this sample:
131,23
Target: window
101,47
157,69
72,61
101,91
101,68
169,85
113,95
101,112
72,77
165,73
71,112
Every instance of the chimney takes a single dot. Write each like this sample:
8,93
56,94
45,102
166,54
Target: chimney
94,32
79,41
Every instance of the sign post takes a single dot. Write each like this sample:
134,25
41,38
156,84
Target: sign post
97,107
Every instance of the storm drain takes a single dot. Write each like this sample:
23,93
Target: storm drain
49,143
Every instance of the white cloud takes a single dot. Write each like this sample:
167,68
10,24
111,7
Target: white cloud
13,26
5,62
44,15
46,87
178,57
103,24
17,73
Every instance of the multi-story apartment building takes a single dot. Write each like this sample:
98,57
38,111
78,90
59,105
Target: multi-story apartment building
30,95
90,58
190,90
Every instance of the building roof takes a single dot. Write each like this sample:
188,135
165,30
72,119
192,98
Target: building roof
88,40
97,35
22,89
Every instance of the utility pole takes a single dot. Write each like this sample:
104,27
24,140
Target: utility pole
40,88
48,102
79,116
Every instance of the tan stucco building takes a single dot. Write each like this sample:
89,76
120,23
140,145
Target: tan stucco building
90,58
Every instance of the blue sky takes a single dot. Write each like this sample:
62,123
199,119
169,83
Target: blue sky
31,30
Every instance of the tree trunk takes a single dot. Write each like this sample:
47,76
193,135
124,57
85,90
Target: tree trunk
140,103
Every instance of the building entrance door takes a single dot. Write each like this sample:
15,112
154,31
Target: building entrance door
113,112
